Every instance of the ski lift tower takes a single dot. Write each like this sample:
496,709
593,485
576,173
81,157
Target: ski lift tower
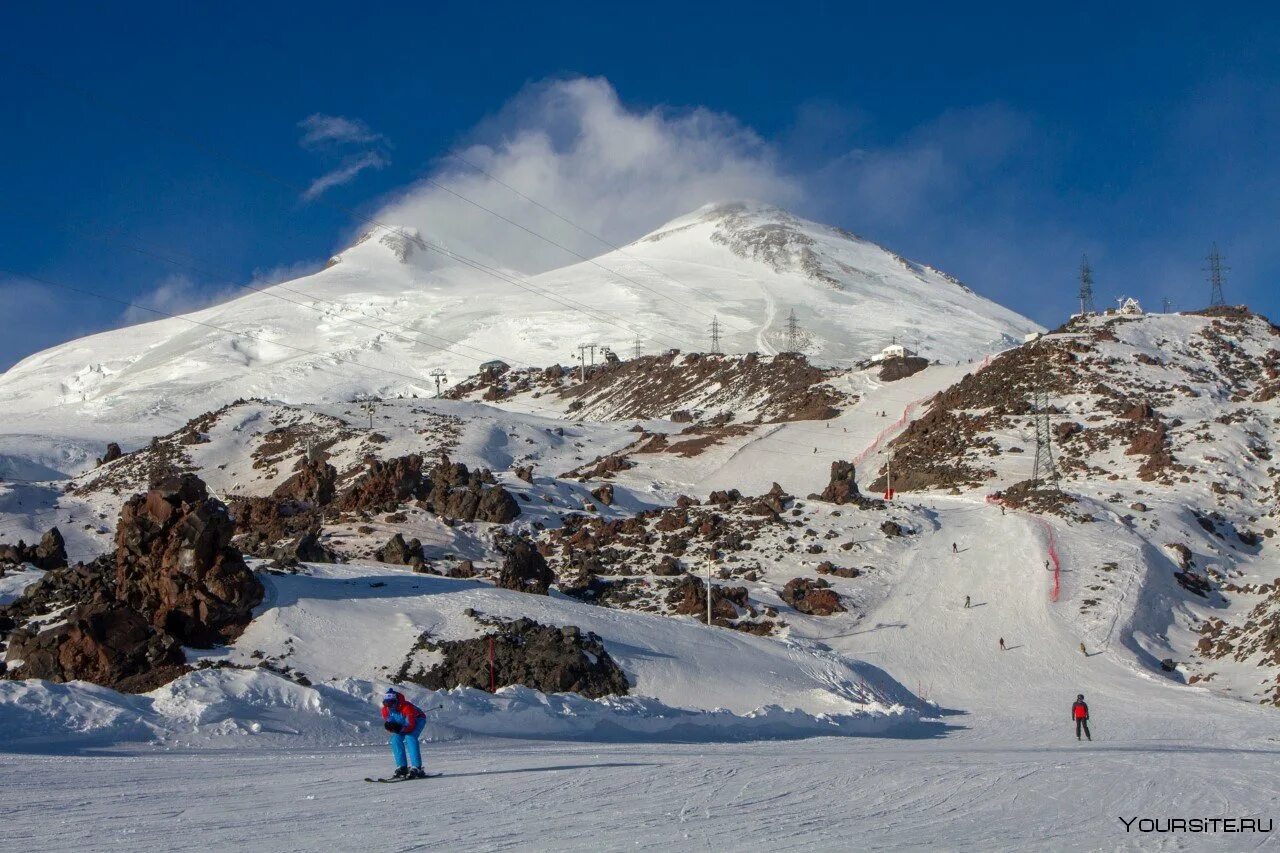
439,376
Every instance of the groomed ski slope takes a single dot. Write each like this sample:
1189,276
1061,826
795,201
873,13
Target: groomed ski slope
1005,774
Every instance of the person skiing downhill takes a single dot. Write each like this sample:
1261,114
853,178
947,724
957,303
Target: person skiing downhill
1080,713
405,721
966,602
1002,644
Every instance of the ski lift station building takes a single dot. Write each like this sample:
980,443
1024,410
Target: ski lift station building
893,351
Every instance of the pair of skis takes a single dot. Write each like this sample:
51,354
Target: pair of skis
391,780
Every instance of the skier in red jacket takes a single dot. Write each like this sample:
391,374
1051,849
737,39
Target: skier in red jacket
1080,713
405,722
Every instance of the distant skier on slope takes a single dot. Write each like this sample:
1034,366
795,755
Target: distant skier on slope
1080,713
1002,644
966,602
405,721
953,548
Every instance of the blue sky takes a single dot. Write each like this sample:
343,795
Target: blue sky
994,143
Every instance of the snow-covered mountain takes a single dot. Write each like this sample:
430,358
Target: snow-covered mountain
391,309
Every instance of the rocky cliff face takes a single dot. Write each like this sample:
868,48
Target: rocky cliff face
173,580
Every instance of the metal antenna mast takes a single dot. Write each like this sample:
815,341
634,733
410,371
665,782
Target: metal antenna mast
793,332
636,344
715,334
1216,270
1086,286
1165,305
1045,474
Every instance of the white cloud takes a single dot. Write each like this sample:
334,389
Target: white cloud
320,130
347,172
333,134
574,147
175,294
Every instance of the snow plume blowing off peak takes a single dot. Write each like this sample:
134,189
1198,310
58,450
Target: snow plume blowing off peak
572,146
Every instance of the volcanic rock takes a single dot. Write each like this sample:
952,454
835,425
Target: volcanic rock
50,553
812,596
525,570
525,652
175,564
106,643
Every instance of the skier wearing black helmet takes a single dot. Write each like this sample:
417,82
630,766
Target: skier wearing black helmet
1080,713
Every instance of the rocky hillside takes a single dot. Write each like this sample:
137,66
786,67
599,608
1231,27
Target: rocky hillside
680,387
1167,425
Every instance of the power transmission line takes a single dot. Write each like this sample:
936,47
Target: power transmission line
1045,473
793,332
561,246
715,334
1216,277
614,247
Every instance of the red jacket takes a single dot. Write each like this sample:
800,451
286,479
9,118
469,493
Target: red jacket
405,713
1079,711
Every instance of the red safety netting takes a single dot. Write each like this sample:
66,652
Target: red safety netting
1051,546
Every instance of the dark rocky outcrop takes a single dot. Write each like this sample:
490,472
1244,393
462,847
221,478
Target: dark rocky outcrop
113,453
893,529
49,554
176,566
828,568
604,494
524,569
103,642
842,488
398,552
525,652
812,596
893,369
457,493
689,598
305,548
173,580
313,482
385,484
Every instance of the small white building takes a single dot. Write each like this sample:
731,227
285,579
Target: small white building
894,351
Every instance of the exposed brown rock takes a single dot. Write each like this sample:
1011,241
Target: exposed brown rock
524,652
176,566
525,570
812,596
893,369
50,553
398,552
106,643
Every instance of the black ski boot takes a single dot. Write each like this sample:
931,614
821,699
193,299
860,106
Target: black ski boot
401,773
417,773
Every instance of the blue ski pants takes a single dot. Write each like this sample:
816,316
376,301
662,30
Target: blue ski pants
407,742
